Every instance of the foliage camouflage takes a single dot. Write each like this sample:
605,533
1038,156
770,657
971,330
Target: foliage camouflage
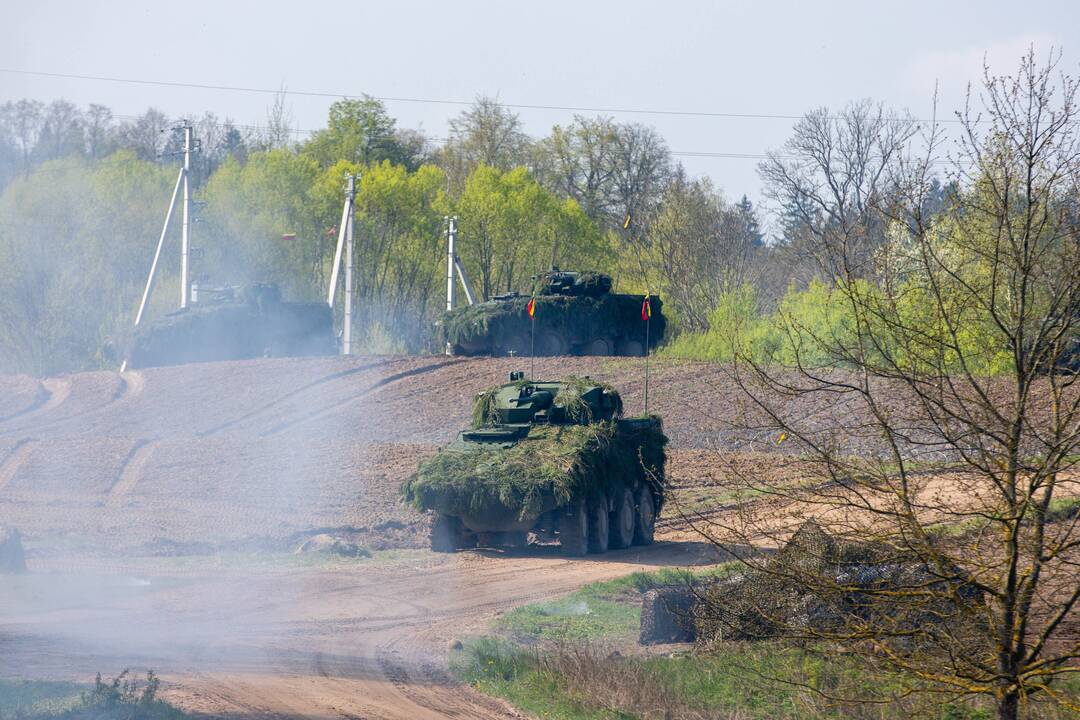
501,325
256,325
546,468
819,586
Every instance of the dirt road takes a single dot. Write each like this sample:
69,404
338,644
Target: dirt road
362,639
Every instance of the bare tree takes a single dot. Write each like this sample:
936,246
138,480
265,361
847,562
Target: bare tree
62,131
642,167
485,134
579,163
941,431
830,179
279,131
700,247
147,135
23,120
99,121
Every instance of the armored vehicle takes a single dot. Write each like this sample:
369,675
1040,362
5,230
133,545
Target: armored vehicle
234,323
551,459
575,314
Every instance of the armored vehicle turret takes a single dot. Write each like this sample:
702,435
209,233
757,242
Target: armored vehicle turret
550,459
575,314
235,323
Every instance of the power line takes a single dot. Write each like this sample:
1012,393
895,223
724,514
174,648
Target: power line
429,101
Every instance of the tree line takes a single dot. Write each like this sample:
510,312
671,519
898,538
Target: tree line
82,195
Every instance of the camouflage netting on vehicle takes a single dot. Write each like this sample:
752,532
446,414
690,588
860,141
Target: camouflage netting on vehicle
820,586
579,319
235,331
570,397
592,284
539,472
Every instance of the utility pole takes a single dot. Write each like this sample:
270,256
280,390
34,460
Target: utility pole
346,335
345,244
451,259
185,236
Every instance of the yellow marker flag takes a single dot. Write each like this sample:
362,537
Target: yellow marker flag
626,224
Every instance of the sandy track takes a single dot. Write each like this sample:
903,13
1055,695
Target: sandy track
362,640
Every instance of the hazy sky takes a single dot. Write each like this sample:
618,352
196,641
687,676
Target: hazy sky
763,58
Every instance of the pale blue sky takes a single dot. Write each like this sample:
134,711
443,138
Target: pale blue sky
738,57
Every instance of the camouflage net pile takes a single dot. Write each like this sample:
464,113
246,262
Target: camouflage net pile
572,317
539,472
817,586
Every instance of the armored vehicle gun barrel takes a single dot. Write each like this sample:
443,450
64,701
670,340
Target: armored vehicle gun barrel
551,459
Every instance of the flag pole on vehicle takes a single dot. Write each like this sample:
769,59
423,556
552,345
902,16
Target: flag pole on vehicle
646,314
531,309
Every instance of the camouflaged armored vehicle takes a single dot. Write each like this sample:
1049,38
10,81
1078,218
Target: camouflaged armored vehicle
235,323
576,314
550,460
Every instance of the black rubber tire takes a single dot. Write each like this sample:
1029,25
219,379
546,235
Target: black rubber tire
631,348
574,529
550,344
446,534
645,517
599,535
623,520
599,346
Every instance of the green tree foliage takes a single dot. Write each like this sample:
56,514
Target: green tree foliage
359,131
485,134
513,228
400,251
250,209
699,247
76,241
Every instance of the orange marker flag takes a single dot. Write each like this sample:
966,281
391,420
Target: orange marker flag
531,307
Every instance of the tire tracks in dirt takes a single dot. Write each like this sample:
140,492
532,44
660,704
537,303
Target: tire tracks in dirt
52,392
14,460
277,402
129,386
131,468
334,406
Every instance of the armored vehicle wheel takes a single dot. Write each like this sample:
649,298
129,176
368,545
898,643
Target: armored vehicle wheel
645,522
574,529
599,346
599,535
447,534
623,520
550,344
631,348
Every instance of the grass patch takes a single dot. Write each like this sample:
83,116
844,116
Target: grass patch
609,610
124,697
499,668
37,698
559,660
